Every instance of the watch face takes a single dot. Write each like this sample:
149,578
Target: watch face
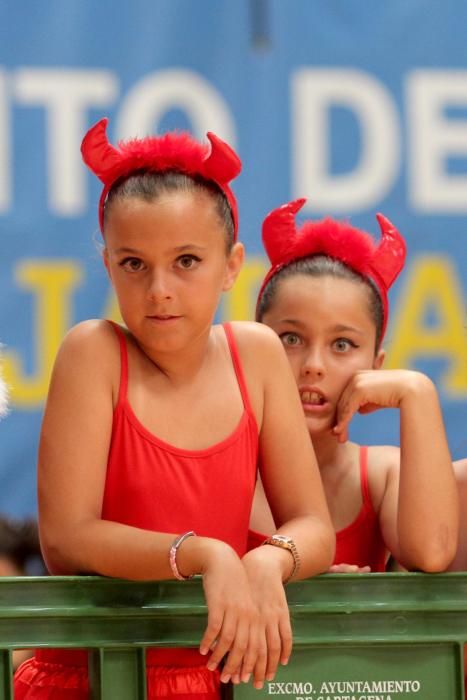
282,538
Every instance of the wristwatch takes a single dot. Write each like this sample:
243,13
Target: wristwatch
286,542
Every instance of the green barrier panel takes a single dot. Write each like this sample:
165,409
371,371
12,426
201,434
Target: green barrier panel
356,637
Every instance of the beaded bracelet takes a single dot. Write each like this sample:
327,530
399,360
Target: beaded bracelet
173,555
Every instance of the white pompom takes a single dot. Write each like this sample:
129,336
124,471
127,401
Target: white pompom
3,397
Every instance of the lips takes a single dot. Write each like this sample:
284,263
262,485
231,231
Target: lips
163,318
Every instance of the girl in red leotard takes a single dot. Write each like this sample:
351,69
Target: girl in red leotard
152,431
326,298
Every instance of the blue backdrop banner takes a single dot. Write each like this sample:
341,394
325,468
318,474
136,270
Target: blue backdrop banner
360,107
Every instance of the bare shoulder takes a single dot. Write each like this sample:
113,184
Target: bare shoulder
89,336
88,346
384,457
251,336
383,464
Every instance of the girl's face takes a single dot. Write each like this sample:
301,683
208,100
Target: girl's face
328,333
168,263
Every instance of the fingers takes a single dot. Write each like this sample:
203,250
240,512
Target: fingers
256,647
236,646
285,629
251,649
346,409
209,640
259,671
349,569
274,644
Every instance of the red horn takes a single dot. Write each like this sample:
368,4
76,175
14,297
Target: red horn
280,231
222,164
389,257
98,154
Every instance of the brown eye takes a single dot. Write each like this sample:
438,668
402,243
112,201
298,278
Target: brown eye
187,262
132,264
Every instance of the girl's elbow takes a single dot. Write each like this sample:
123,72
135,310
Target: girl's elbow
436,557
56,555
435,564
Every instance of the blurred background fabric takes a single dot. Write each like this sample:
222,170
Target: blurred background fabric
360,107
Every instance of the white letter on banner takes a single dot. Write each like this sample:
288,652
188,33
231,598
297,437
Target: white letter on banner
433,137
66,95
314,92
157,93
5,156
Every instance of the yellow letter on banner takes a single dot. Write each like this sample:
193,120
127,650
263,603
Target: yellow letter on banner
240,302
432,285
51,282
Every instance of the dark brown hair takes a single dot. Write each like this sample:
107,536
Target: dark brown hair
324,266
148,186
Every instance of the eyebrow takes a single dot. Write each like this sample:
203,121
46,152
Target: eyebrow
177,249
339,328
132,251
342,329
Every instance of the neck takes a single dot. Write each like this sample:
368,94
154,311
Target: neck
329,452
181,366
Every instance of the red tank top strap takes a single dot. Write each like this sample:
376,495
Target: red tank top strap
364,478
238,368
122,391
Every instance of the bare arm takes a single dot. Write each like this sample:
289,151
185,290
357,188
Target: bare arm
73,454
289,471
419,508
295,495
459,562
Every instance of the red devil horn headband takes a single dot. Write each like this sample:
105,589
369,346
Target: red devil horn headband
389,256
380,263
173,151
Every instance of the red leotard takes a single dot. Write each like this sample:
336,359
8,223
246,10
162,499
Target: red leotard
153,485
359,543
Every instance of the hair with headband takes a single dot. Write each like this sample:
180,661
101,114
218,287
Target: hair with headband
175,151
378,263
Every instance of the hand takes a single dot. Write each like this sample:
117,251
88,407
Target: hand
370,390
348,569
232,614
272,634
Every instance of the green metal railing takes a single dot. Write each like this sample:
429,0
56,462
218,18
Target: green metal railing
356,637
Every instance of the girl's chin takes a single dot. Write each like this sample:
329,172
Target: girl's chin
317,428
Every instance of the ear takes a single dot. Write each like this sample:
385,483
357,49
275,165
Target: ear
233,266
379,359
105,260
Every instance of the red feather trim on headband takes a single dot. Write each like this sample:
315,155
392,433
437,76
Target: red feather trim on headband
216,162
381,263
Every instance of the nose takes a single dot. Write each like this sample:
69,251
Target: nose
313,364
159,287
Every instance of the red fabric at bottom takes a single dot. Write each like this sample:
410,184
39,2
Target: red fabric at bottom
40,680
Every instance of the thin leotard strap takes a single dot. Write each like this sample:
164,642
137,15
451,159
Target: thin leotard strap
238,368
364,477
122,391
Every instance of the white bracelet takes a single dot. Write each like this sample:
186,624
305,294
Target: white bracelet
173,555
